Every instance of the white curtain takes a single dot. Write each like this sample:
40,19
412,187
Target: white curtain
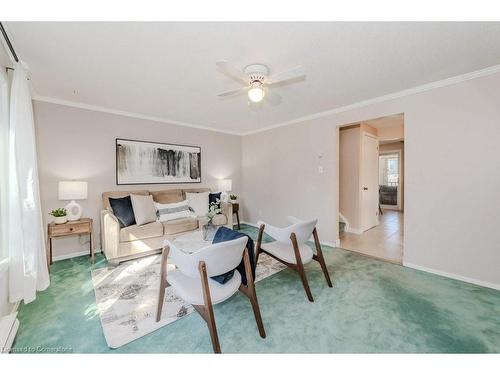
4,163
28,271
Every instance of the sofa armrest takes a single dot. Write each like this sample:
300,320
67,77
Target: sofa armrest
227,210
110,234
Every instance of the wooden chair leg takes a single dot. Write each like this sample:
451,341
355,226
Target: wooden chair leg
300,267
209,311
259,243
163,281
320,259
249,291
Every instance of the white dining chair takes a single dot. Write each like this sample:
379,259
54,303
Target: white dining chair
191,280
290,247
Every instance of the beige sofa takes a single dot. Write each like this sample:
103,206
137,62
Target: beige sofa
121,244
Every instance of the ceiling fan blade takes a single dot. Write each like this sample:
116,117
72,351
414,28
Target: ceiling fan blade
290,76
234,92
272,98
231,71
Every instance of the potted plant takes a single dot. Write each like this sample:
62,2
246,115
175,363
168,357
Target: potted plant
233,198
59,215
209,229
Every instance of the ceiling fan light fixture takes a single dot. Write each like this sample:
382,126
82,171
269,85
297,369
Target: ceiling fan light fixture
256,92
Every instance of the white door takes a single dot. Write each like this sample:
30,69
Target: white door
369,182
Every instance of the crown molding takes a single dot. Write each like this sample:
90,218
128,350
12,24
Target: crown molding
118,112
400,94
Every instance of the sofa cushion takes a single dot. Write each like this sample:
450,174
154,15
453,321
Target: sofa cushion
122,209
194,190
167,196
118,194
219,219
144,208
136,232
172,211
198,202
180,225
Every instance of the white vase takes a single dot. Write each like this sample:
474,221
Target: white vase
60,219
234,201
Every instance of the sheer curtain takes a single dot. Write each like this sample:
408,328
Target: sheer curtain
28,271
4,166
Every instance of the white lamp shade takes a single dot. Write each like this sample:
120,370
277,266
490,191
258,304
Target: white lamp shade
69,190
225,185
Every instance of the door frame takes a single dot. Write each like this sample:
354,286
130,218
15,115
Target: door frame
337,179
398,206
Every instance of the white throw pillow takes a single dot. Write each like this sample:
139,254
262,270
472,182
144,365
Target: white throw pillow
144,208
172,211
198,202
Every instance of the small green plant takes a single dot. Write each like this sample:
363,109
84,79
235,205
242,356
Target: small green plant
213,209
233,197
58,212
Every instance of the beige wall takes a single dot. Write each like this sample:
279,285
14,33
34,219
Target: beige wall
451,203
391,133
280,175
397,146
349,174
350,143
80,144
368,129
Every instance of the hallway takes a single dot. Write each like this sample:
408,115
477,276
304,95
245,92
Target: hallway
384,241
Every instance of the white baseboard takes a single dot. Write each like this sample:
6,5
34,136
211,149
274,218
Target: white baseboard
354,231
74,255
15,307
8,330
453,276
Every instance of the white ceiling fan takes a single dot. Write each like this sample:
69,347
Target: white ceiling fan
257,81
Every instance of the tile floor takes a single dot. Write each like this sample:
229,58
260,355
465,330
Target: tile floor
384,241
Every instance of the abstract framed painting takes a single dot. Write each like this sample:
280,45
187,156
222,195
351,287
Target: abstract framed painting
142,162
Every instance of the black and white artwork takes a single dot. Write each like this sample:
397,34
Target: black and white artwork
139,162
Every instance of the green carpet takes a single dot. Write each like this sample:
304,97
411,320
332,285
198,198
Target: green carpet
374,307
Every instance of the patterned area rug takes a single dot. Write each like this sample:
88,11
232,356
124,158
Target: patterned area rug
127,298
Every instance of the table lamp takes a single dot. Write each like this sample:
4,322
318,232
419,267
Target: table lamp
73,190
225,185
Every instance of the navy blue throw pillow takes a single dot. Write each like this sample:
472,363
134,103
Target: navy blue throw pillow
122,209
212,198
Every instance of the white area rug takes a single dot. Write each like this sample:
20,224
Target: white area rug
127,298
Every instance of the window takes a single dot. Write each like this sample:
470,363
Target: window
389,170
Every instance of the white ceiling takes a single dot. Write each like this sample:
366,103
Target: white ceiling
167,70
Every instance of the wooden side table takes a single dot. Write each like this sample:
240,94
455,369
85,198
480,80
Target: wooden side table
236,207
71,228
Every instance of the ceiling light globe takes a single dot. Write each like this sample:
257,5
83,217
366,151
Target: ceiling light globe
256,94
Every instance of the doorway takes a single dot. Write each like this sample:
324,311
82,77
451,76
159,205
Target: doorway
388,180
371,187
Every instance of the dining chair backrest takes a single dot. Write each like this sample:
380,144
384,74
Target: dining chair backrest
219,258
302,229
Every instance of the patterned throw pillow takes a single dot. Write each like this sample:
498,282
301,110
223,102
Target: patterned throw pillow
171,211
213,197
